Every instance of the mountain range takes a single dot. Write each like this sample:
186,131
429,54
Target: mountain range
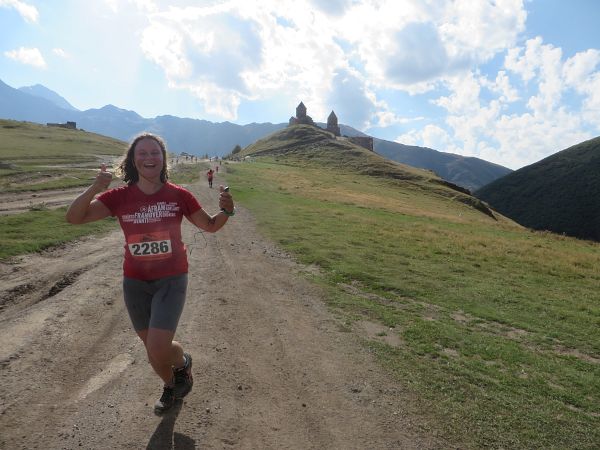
199,137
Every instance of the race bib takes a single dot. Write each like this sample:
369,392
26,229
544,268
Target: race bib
150,246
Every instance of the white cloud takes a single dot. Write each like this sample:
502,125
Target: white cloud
113,5
550,83
206,51
581,74
245,51
578,69
412,137
385,118
29,56
479,125
543,64
28,12
218,101
411,44
332,7
527,138
430,136
464,97
165,46
502,86
474,127
435,137
477,30
591,104
60,53
524,63
117,6
296,48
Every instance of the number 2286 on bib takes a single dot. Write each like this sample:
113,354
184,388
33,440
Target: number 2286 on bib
150,246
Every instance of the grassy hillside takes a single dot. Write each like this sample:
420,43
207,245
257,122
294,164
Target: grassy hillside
36,157
311,146
494,327
560,193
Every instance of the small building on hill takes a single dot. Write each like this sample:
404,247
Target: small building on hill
69,125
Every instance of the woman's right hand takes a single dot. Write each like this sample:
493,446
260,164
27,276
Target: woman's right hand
85,208
103,179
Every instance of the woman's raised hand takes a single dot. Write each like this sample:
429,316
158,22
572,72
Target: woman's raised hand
103,179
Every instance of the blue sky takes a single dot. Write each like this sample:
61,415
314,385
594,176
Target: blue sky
509,81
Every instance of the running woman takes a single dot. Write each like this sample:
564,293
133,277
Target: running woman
150,210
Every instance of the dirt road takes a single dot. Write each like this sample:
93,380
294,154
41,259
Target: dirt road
17,202
272,367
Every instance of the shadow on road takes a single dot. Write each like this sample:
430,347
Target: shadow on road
164,438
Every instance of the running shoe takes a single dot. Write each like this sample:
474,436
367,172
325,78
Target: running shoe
182,378
167,399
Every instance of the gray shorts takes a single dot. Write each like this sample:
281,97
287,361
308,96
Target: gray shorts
157,303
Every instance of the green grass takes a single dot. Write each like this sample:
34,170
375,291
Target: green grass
499,325
186,173
34,157
34,231
39,179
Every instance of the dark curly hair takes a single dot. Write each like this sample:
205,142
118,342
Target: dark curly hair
127,167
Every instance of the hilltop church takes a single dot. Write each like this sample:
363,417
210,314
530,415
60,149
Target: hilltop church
332,126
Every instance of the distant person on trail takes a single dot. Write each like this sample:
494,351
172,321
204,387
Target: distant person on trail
209,175
150,210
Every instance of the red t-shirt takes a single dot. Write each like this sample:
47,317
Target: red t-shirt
152,228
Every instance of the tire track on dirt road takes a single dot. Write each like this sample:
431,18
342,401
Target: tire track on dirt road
17,202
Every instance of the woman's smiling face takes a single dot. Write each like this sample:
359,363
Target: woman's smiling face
148,158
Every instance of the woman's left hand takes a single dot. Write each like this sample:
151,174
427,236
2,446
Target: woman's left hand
225,200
